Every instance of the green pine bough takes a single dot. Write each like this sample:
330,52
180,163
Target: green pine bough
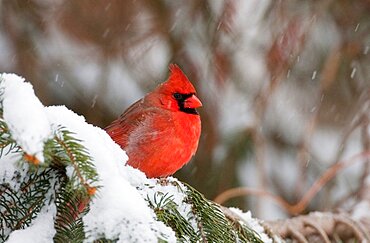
47,183
212,223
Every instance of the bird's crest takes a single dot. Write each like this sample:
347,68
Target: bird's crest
177,81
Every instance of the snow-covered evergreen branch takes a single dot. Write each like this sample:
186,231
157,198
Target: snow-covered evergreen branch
63,179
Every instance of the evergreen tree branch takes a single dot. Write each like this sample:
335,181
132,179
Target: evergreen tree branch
6,141
208,212
68,223
166,210
19,207
79,159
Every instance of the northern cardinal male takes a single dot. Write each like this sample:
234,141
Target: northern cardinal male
160,132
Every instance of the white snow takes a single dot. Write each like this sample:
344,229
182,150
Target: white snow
353,72
366,50
118,208
22,108
9,167
177,193
314,75
252,223
357,26
41,229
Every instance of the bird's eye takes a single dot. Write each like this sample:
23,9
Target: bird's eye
177,96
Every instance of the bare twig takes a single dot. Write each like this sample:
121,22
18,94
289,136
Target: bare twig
302,204
312,223
242,191
364,188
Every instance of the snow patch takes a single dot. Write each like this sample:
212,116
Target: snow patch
9,170
253,224
41,230
21,108
118,208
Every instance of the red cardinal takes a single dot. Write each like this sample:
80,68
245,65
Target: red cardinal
160,132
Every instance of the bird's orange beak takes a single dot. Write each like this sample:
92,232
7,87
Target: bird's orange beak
192,102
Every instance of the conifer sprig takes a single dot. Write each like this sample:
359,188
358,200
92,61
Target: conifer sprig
68,223
7,144
206,214
66,150
167,211
20,206
212,224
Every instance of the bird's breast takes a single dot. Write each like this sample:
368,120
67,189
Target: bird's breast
162,144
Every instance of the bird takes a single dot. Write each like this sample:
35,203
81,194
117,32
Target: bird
160,132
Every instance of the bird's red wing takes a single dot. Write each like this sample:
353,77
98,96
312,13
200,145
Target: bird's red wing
142,126
120,129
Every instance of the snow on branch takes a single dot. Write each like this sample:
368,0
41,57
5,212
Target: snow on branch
24,115
66,178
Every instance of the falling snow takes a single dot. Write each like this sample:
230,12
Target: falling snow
314,75
357,26
353,72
